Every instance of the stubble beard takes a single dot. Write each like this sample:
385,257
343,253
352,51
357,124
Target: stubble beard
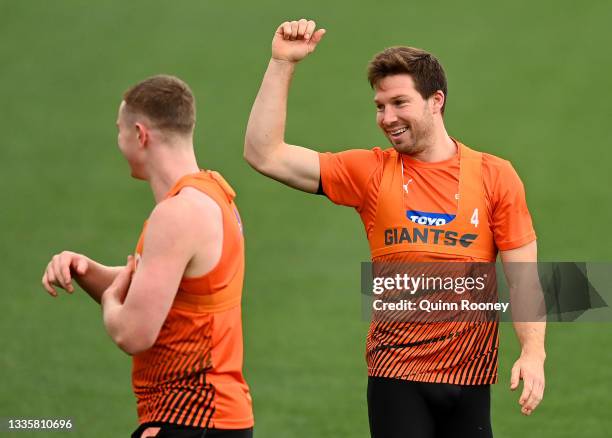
417,144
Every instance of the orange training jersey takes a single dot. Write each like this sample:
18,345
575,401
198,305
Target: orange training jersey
463,209
192,375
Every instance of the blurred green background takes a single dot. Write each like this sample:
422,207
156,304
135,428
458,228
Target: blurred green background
526,82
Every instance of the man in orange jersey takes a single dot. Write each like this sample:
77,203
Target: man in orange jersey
175,306
429,198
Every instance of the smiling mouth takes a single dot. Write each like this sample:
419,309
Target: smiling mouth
397,132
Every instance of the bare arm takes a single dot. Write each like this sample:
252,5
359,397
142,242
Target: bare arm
137,303
93,277
265,148
529,323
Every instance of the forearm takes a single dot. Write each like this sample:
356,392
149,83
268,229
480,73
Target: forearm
123,329
97,279
111,315
531,337
526,297
120,321
128,327
266,127
528,309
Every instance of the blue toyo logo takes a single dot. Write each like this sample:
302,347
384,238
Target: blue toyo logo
431,219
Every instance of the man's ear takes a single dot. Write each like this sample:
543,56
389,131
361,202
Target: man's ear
143,134
437,101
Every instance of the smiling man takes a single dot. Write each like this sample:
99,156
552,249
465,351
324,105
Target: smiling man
176,306
428,198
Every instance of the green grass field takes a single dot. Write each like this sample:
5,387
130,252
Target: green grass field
526,82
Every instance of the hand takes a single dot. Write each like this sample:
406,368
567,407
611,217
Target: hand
529,368
294,40
60,269
120,285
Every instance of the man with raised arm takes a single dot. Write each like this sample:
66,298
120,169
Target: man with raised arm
428,198
175,306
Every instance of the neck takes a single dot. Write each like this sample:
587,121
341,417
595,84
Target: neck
170,163
438,147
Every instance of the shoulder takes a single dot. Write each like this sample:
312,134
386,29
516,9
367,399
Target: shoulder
498,171
359,164
490,162
359,161
494,162
186,211
500,179
503,186
377,153
373,154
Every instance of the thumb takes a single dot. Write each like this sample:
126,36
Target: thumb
515,377
131,264
81,266
125,275
317,36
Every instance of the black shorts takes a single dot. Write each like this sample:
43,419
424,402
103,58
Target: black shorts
168,430
405,409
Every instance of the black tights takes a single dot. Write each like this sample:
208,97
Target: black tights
174,431
405,409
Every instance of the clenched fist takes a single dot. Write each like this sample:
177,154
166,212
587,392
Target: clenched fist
294,40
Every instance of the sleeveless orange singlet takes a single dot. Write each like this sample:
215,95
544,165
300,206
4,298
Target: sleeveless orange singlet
193,373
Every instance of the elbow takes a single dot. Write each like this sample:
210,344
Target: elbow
249,156
261,157
133,333
134,343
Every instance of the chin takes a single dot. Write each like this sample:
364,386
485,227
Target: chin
137,175
406,148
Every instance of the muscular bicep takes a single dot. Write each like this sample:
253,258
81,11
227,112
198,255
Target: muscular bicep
167,250
295,166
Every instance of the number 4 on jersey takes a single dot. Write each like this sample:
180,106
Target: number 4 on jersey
474,219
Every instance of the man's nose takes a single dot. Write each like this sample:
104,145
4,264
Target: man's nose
389,117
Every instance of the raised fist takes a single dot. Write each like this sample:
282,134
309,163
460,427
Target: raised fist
294,40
